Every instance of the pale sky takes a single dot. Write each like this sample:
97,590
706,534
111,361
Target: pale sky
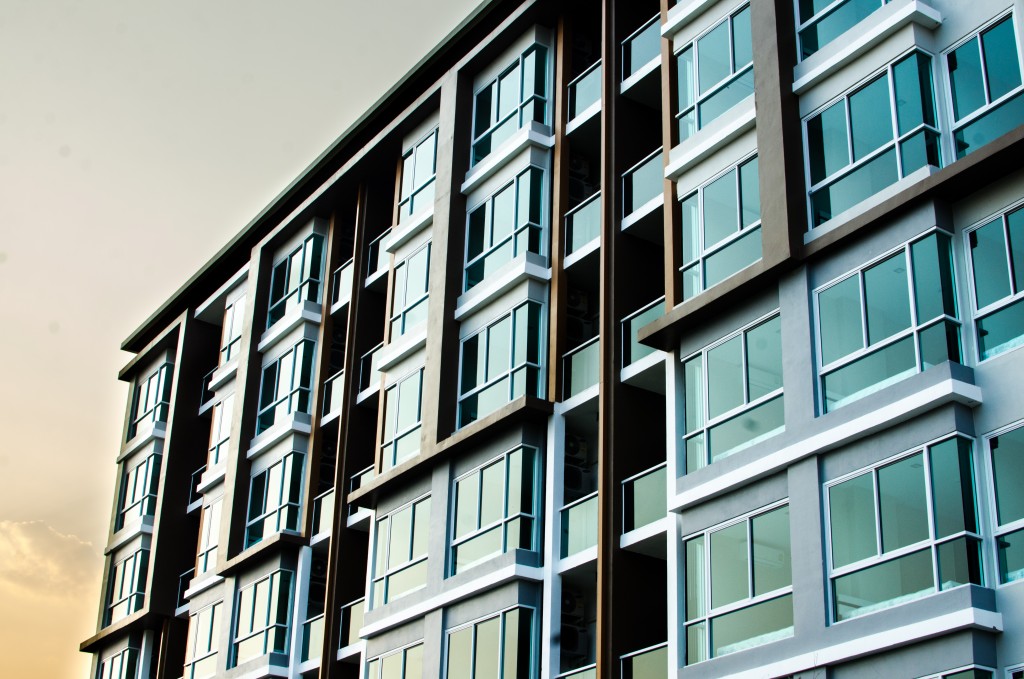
135,139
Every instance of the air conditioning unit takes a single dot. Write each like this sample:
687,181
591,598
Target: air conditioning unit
572,604
579,167
578,481
579,190
575,640
577,303
576,450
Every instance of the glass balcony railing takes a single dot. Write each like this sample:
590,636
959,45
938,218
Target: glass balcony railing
184,580
377,256
351,622
323,512
193,492
207,394
369,372
641,47
334,390
650,663
313,638
360,478
580,368
583,224
585,91
341,284
643,498
588,672
642,183
579,525
632,350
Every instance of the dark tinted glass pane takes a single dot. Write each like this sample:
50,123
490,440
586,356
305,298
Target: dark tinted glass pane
959,563
721,211
771,548
1015,221
952,487
940,343
862,183
713,57
742,48
1008,470
933,278
729,565
839,315
992,125
869,374
884,585
826,30
727,97
913,82
1002,330
887,298
965,82
988,257
1011,556
750,198
902,503
870,117
1001,66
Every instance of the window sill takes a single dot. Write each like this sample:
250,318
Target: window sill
646,373
526,266
682,15
402,348
715,136
222,375
211,478
650,539
297,423
206,581
158,431
535,135
128,532
309,312
849,46
403,233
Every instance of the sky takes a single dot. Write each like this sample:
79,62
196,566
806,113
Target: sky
136,138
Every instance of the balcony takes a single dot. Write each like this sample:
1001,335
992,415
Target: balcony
334,391
583,229
350,644
579,525
588,672
584,98
313,638
642,198
206,394
378,261
369,372
650,663
641,59
580,368
323,513
643,366
195,498
643,498
359,517
184,580
341,286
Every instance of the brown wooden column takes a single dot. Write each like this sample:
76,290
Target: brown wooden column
559,203
670,137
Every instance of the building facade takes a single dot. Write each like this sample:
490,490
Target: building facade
617,340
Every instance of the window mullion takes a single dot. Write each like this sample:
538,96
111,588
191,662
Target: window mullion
864,338
878,513
849,130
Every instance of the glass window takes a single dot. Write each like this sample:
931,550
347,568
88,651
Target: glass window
296,278
1006,453
400,552
122,665
400,429
275,499
715,72
406,663
409,292
501,363
493,648
721,228
985,87
997,267
231,331
220,430
969,673
139,489
887,321
209,536
512,100
419,166
262,620
286,385
739,585
872,137
151,399
127,590
202,643
897,529
504,226
495,509
822,21
732,394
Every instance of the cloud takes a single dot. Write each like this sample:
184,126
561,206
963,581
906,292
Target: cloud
38,560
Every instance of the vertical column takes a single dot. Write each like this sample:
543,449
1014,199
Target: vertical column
559,202
670,137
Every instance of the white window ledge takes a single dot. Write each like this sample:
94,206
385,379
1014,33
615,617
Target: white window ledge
223,374
157,431
656,529
309,312
852,44
296,423
641,73
352,650
729,126
525,266
578,559
142,525
403,233
682,14
402,348
582,119
211,477
533,134
202,583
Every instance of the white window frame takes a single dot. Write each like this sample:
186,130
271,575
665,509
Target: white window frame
401,311
268,623
137,500
297,289
998,530
209,537
127,661
128,577
375,665
208,615
231,331
293,385
409,193
276,514
151,398
501,616
220,429
391,434
382,573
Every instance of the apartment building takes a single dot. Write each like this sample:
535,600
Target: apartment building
618,340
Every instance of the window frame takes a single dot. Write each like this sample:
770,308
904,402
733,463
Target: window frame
156,385
536,177
131,505
234,320
914,330
1006,301
220,429
525,366
209,537
271,616
931,543
704,253
711,613
408,194
399,313
124,589
311,271
696,98
501,616
213,640
391,436
288,507
821,15
381,571
370,667
991,505
895,143
127,660
299,384
524,102
703,430
505,519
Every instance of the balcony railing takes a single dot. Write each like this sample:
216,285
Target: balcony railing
184,580
313,638
193,491
361,477
579,525
334,389
642,183
632,350
369,373
341,284
643,498
649,663
588,672
323,512
377,256
351,622
206,395
585,90
583,224
580,368
641,47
